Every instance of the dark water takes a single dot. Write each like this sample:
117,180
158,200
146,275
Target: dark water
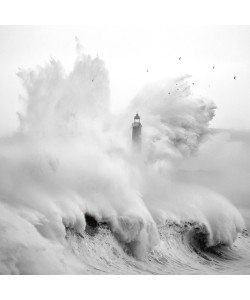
182,250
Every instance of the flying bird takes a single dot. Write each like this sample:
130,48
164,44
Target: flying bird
234,77
213,67
180,58
147,70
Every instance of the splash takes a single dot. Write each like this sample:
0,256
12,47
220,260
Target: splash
72,157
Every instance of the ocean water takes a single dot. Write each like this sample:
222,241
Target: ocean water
75,198
180,251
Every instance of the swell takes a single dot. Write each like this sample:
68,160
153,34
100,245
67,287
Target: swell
71,155
183,249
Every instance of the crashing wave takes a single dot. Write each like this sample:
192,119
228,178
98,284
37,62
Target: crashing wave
182,249
70,165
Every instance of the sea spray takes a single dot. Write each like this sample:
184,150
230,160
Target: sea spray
72,157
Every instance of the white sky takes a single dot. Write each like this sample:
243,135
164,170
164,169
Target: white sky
128,52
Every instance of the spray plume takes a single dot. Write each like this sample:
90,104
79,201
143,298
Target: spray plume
70,157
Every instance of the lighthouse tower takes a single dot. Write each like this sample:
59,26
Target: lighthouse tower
136,133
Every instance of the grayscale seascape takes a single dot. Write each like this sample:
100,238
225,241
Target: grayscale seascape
132,161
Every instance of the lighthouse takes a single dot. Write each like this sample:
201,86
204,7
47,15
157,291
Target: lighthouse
136,133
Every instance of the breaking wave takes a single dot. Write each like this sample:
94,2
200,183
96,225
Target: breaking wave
76,199
182,249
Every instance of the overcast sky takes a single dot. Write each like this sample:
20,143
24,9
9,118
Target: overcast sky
128,52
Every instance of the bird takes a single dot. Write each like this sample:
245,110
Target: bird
193,83
234,77
92,80
169,93
180,58
147,70
213,67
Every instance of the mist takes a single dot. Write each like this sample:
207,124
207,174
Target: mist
71,156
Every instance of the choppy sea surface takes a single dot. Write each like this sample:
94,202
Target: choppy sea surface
182,250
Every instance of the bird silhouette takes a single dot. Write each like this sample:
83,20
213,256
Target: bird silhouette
234,77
